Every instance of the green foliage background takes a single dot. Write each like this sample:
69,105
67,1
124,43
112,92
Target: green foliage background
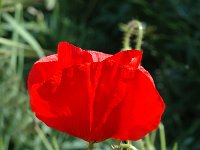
30,28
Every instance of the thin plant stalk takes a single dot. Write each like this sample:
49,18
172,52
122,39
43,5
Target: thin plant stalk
153,136
148,142
162,136
55,144
141,143
15,38
136,28
43,138
90,146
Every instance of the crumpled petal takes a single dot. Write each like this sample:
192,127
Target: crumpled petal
141,108
130,58
95,96
69,55
42,70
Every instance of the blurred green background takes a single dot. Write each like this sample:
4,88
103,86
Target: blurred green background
31,28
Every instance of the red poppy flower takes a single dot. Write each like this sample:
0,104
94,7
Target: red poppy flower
95,96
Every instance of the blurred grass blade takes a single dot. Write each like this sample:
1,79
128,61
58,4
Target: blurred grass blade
162,136
148,142
15,37
18,18
55,144
21,63
50,4
175,147
1,144
28,50
141,144
153,136
9,42
24,34
4,142
43,138
0,3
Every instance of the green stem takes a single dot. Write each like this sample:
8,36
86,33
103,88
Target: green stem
148,143
90,146
162,136
153,137
43,138
55,144
127,36
134,27
126,144
175,147
139,35
141,143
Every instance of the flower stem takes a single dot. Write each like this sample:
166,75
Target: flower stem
162,136
136,28
126,147
139,35
90,146
141,143
126,144
148,143
153,136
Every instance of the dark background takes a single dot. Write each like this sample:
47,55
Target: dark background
171,54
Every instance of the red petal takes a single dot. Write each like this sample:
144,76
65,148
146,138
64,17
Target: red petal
68,96
130,58
42,70
69,55
98,56
126,106
141,109
39,105
78,98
